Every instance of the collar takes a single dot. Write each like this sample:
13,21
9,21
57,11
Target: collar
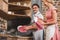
37,13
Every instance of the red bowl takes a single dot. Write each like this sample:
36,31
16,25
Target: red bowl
21,28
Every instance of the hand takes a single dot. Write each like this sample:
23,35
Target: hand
26,28
45,27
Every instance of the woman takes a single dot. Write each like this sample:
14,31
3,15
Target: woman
51,21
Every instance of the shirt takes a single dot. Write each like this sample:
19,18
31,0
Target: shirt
39,15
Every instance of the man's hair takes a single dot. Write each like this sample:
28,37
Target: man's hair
35,5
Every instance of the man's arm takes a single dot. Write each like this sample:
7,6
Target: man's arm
33,26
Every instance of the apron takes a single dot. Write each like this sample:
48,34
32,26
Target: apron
38,34
52,32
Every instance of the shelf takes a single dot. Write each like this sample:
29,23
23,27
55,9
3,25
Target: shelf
13,7
17,0
10,37
11,16
6,35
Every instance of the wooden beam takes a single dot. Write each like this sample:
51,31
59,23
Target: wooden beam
7,16
13,7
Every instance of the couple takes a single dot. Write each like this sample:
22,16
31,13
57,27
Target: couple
50,23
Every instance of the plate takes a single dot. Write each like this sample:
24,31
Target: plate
22,29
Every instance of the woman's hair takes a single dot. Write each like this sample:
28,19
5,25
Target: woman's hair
50,1
35,5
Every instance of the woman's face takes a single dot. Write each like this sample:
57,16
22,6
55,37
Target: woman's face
35,8
46,4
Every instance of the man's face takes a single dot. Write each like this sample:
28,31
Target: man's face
35,8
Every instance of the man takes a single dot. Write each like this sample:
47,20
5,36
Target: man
37,23
38,35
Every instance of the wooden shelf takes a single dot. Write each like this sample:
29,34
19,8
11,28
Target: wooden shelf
6,35
13,7
10,37
17,0
7,16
